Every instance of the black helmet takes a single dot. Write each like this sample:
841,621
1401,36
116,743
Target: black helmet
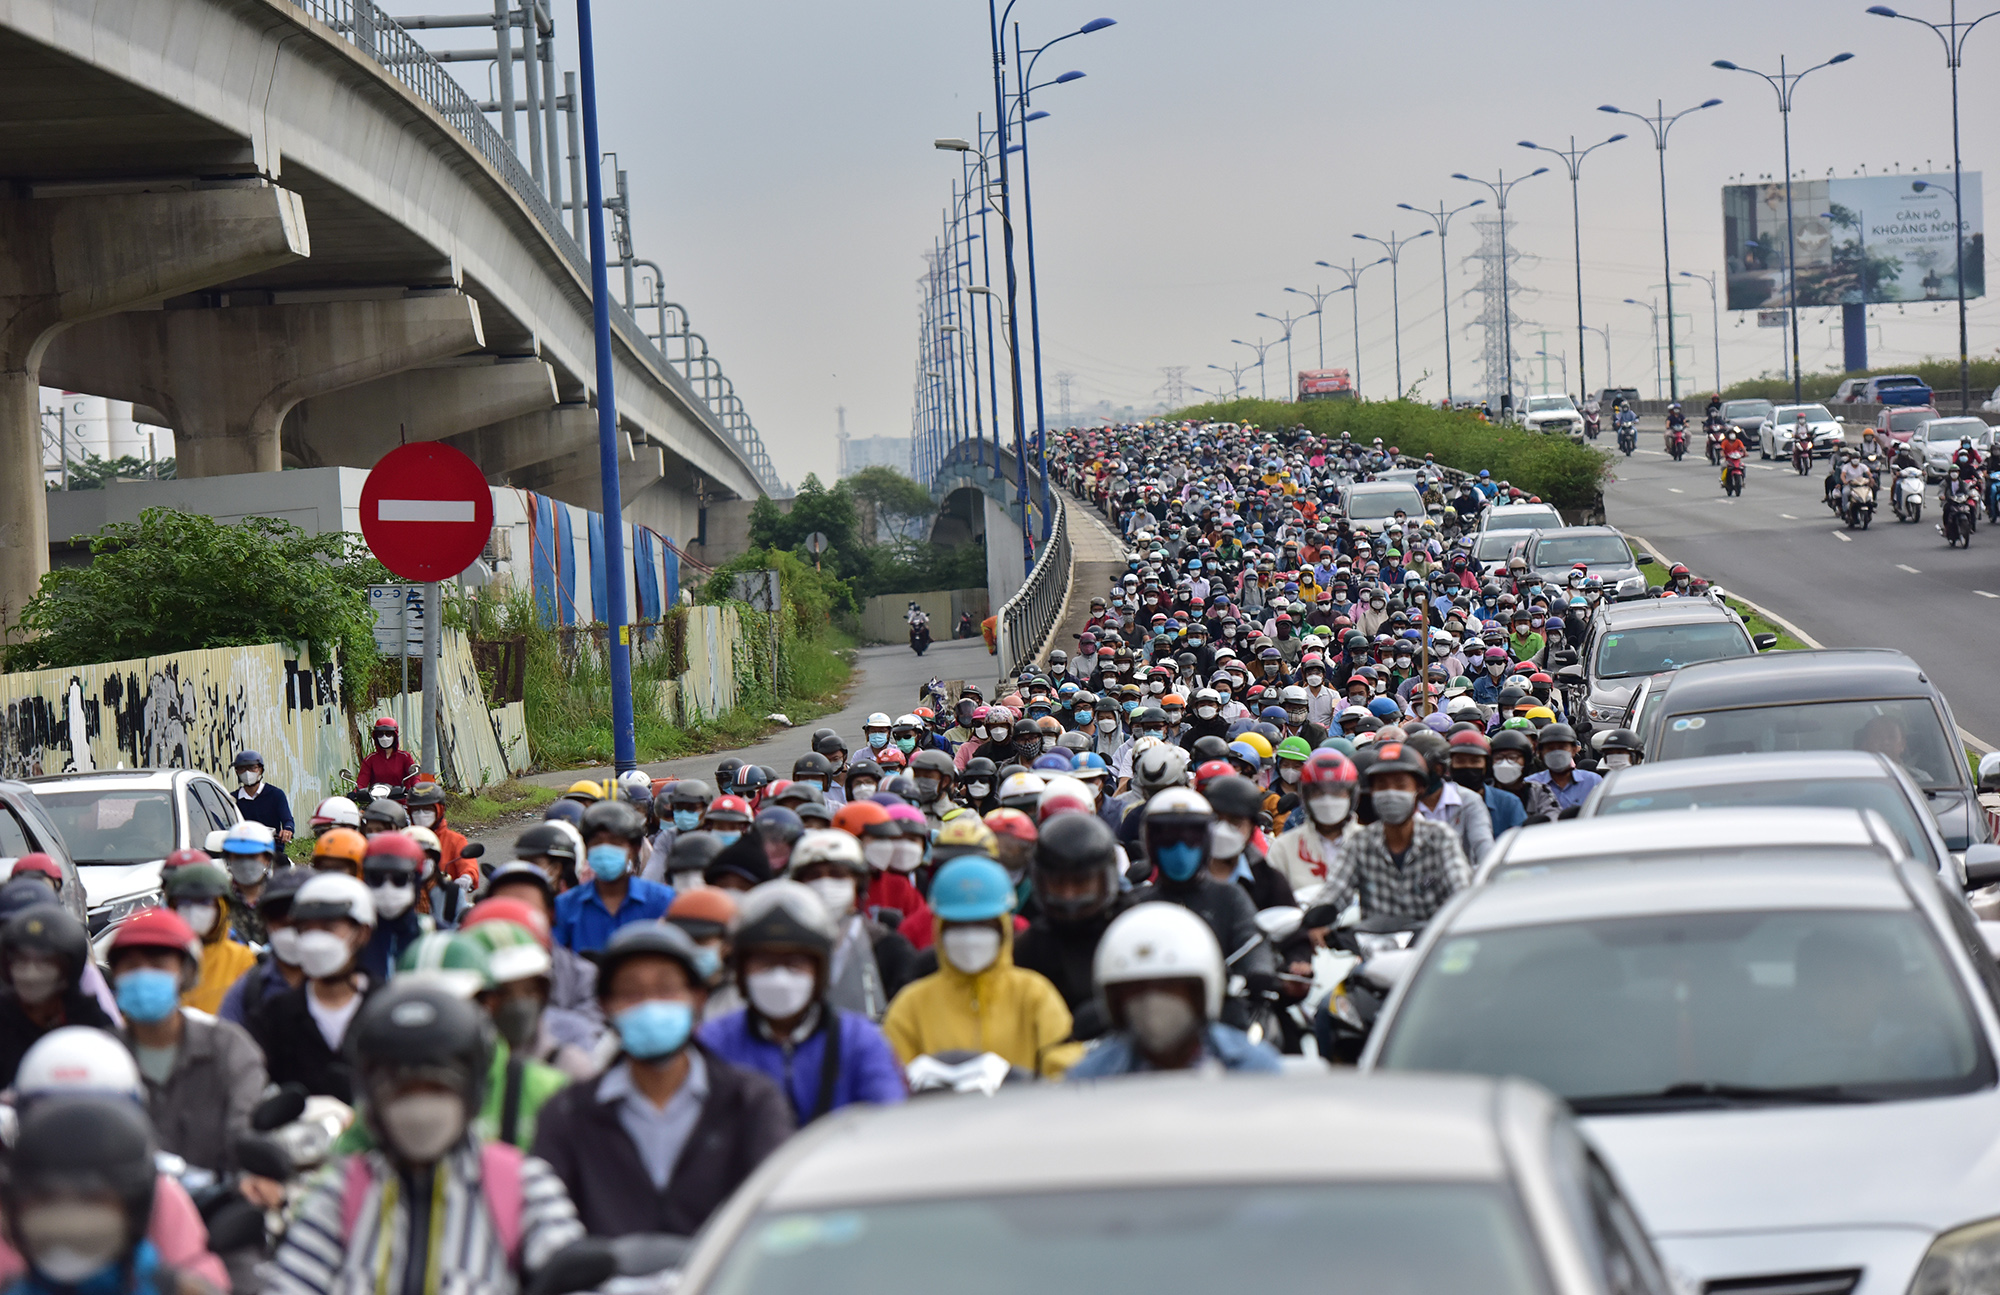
425,793
1027,729
49,932
79,1146
1397,757
548,839
1235,796
387,812
1554,733
274,902
693,852
688,793
750,779
863,768
725,771
1512,739
1074,845
659,939
416,1030
617,818
1618,739
812,765
826,742
1210,747
978,769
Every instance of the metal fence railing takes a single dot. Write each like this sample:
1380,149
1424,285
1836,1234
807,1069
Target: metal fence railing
1026,619
364,25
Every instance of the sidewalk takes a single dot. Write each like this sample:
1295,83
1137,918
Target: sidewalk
1097,557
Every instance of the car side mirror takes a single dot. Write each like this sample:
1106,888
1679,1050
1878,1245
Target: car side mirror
1570,674
1567,657
1642,559
1982,866
1764,642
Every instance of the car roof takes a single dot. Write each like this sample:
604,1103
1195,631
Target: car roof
1573,532
1589,893
1694,830
1787,678
1153,1131
1754,766
1376,487
1662,611
105,779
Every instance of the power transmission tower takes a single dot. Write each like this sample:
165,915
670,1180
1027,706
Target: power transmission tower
1063,381
1176,375
1493,293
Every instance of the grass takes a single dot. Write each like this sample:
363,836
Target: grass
1656,575
483,807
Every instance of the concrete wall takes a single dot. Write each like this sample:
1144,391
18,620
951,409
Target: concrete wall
882,617
471,751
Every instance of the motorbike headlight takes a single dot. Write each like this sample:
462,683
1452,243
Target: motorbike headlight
1963,1261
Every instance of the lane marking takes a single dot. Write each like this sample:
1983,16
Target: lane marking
1788,517
1983,594
1676,490
1912,570
1842,538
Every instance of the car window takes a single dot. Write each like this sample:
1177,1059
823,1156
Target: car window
1881,383
113,826
1650,649
1682,1009
14,838
215,804
1521,518
1950,429
1593,550
1884,797
1375,504
1813,413
1745,408
1543,404
1906,729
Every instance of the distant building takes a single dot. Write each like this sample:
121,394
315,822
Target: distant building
858,452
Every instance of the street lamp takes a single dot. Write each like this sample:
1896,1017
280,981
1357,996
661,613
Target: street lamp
1562,363
1353,287
1784,83
1394,247
1288,320
1604,333
1714,323
1319,309
1573,160
1647,305
1953,34
1660,125
1260,346
1442,219
1500,188
1235,372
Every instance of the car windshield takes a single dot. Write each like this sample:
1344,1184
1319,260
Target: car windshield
1698,1009
1746,408
1909,420
1493,545
1950,429
1527,517
1653,648
1813,413
1592,550
1163,1240
1906,729
1878,794
112,826
1373,504
1545,404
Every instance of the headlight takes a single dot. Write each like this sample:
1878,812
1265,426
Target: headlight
1964,1261
1633,582
119,909
1602,712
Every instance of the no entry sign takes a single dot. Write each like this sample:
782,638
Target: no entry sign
426,511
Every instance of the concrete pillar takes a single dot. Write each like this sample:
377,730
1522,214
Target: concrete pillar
505,448
354,427
226,377
63,260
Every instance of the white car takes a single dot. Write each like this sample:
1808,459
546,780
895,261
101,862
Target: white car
1992,405
1552,414
1828,432
120,824
1938,439
1520,517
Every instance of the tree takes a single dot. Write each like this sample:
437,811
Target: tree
94,473
883,494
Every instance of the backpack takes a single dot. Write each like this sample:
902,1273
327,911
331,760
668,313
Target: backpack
500,1188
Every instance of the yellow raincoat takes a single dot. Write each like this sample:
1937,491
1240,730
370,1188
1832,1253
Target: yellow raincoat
1005,1009
223,962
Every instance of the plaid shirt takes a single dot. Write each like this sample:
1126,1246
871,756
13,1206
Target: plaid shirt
1433,870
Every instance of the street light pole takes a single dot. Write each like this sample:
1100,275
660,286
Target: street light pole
1289,320
1353,288
1573,161
997,29
1394,246
1260,346
1714,322
1634,301
1604,333
1660,124
1784,84
1953,34
1442,219
1500,188
1319,309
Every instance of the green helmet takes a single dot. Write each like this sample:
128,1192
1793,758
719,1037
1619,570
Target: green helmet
1293,748
1518,723
457,964
512,951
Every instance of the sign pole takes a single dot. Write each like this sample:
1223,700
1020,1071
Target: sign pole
431,637
403,651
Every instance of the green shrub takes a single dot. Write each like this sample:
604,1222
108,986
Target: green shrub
1941,374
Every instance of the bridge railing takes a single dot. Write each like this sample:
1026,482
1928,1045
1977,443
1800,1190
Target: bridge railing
363,24
1026,619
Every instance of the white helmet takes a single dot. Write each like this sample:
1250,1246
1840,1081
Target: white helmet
1159,767
877,720
1294,693
329,895
1160,941
1065,790
425,838
337,811
249,837
212,843
636,786
1022,786
1180,800
907,721
79,1060
827,845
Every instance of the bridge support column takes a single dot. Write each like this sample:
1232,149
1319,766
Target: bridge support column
354,427
63,260
226,377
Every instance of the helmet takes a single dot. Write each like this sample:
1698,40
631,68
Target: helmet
417,1030
426,840
549,839
1063,794
50,932
1398,757
384,725
1159,767
1328,769
971,889
79,1060
1074,846
428,792
750,780
1022,790
1258,743
160,928
1989,771
249,837
336,811
965,834
652,939
80,1146
618,819
725,808
1514,740
457,964
1235,796
636,786
585,791
1384,708
386,812
785,915
865,818
1160,942
1624,739
1554,733
693,852
825,845
812,765
690,793
514,951
1293,748
327,896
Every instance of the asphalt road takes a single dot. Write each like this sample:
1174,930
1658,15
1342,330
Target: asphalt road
1895,585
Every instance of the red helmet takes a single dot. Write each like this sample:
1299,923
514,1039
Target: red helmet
1328,769
1471,740
1209,770
161,928
182,858
385,723
727,809
505,908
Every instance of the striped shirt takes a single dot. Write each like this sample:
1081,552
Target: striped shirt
466,1258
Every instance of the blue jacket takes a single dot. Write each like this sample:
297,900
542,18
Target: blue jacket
1505,808
868,1071
584,924
385,947
1114,1055
268,807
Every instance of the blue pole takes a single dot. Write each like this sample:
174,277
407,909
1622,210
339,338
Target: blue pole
1013,286
1034,294
625,747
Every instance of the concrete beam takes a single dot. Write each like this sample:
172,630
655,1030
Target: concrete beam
227,377
358,425
506,448
648,466
68,259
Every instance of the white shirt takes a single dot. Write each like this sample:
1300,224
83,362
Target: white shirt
332,1021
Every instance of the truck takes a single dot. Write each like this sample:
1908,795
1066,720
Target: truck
1325,384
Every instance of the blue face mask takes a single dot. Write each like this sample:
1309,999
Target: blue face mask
608,861
658,1027
727,838
687,820
878,740
1180,860
148,995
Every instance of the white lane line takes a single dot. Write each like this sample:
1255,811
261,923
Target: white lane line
1983,594
1912,570
1842,538
1675,490
1788,517
1763,467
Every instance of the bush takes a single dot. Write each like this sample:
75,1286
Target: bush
1560,471
813,596
1942,375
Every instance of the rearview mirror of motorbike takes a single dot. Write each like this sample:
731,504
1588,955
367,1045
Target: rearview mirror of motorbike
1764,642
1982,866
473,851
264,1157
642,1254
285,1104
1281,922
1570,674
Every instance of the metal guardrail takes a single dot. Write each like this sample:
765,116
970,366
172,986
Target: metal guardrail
1026,619
365,26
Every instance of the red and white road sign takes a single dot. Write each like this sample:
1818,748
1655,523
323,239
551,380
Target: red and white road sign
426,511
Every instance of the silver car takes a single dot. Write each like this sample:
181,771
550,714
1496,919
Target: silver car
1170,1184
1789,1060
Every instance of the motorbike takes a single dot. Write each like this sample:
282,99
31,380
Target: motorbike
1628,440
1677,443
1993,497
980,1074
1860,505
1732,476
1714,449
1802,455
1590,424
920,637
1345,1019
1906,494
1961,513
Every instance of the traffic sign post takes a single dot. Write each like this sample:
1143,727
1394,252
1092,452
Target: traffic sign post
816,545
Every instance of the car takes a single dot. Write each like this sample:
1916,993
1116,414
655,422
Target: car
1552,414
1628,642
1828,432
120,824
1940,438
25,828
1520,517
1748,418
1711,835
1371,505
1787,1060
1639,705
1896,389
1896,424
1151,1183
1605,553
1992,405
1830,779
1848,392
1824,699
1610,396
1491,549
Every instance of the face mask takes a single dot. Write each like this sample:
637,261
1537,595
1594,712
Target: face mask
1313,679
1289,776
837,893
322,954
1160,1022
1470,779
392,899
1328,810
1496,669
385,742
906,744
1506,772
1226,841
199,917
1206,712
72,1240
285,945
929,789
780,993
421,1127
424,817
248,777
972,949
148,995
906,856
1107,725
878,740
656,1028
1558,761
246,869
1180,860
519,1020
1381,687
686,820
879,854
999,734
609,861
727,838
978,789
1618,760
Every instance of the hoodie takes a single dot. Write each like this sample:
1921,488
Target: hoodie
1004,1009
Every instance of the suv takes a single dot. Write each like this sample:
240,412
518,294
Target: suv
1748,418
1825,699
1604,552
1371,505
1520,517
119,825
1553,414
1896,389
1632,641
1848,392
1897,424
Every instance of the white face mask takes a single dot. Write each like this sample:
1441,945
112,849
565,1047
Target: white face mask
1288,775
199,917
837,893
971,949
285,945
68,1241
1506,771
1205,712
979,789
1328,810
421,1127
780,993
879,853
1107,725
391,900
1226,841
1617,760
424,817
249,777
907,855
385,741
1160,1021
861,791
322,954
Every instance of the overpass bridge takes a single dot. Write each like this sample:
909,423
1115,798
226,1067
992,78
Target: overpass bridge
282,228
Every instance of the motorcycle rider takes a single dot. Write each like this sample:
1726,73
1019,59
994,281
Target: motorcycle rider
1075,879
1560,786
1401,864
1853,472
302,1030
200,893
588,915
1620,749
46,953
388,764
1178,834
259,801
1732,450
1160,977
1443,800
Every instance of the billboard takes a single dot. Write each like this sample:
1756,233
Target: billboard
1863,239
1324,384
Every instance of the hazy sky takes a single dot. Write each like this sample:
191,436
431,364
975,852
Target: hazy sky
783,174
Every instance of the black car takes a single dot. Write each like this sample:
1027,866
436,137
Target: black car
1829,699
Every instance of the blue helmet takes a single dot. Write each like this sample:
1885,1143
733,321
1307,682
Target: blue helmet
972,888
1058,761
1384,708
1484,475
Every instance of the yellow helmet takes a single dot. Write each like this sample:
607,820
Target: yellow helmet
1541,712
585,790
1257,742
965,834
